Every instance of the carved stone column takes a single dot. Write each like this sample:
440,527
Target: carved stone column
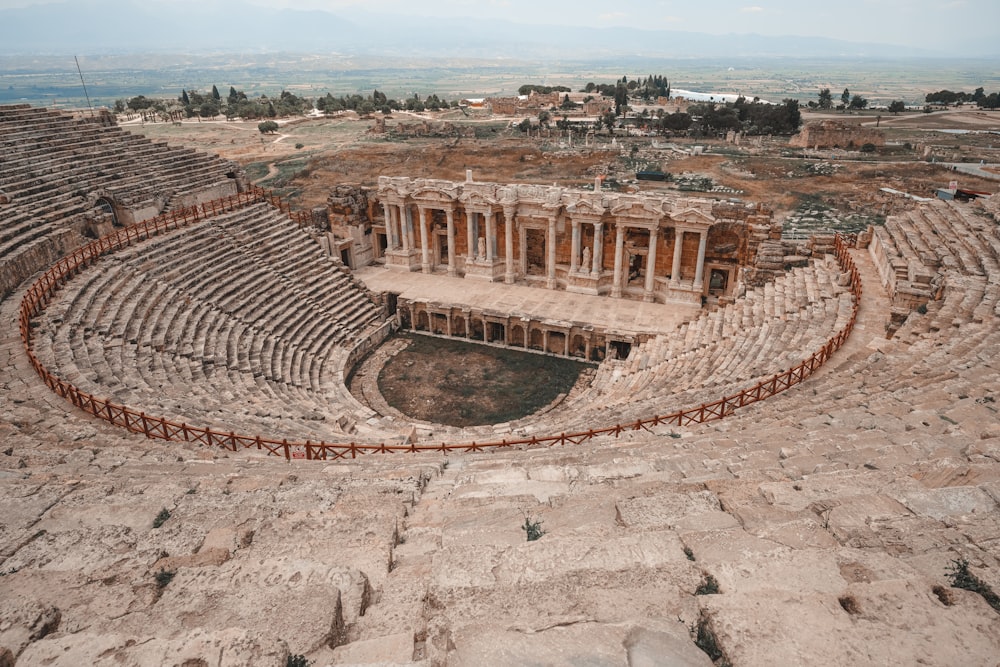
523,254
616,285
450,213
598,258
491,237
508,229
550,261
390,237
425,254
699,272
470,232
574,259
651,266
404,231
675,268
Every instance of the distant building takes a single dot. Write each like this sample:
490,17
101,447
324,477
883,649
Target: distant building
834,134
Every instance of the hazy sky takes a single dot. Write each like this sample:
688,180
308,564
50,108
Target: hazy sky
947,23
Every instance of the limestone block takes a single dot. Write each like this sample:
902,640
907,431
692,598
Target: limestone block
667,510
787,628
230,647
719,546
308,592
794,571
394,649
651,648
576,643
957,503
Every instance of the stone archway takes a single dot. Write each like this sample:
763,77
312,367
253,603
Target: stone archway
517,335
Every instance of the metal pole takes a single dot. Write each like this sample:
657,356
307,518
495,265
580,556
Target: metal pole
91,106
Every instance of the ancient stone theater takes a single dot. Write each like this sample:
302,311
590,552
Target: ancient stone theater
784,451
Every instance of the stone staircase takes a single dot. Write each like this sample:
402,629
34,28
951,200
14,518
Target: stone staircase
54,167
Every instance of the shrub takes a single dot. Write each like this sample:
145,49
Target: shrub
533,529
689,553
708,586
164,577
297,660
706,640
962,578
849,604
161,518
299,145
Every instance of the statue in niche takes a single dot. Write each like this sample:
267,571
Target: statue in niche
482,249
585,264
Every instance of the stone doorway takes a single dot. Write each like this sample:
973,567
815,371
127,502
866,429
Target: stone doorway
535,252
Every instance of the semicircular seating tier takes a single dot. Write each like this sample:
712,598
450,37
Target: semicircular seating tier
239,321
65,177
942,258
766,331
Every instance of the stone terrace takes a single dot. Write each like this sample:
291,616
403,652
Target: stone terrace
827,515
54,170
239,321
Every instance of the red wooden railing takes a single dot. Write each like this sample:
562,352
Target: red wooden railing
40,294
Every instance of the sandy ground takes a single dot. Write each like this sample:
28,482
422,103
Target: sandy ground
308,156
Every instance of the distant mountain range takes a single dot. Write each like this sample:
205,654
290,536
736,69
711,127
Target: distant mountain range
103,27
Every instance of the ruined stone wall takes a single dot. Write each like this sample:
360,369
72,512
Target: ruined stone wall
430,129
44,253
834,134
597,107
503,106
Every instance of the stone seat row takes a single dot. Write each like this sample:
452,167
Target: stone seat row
167,326
765,332
921,247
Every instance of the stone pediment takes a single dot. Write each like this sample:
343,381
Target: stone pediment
692,216
477,199
642,209
586,207
434,194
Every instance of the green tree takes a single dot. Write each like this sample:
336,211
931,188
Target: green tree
991,101
215,93
621,97
845,97
185,100
609,122
896,106
267,127
676,122
858,102
825,99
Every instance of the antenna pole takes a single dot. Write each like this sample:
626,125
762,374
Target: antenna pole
91,106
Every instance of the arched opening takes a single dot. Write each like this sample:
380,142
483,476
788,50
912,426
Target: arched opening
439,323
477,329
718,281
517,335
557,342
106,207
536,339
